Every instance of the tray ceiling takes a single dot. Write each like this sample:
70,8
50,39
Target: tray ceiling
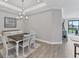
70,7
27,3
30,3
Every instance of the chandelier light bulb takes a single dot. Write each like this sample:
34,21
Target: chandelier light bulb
21,16
27,17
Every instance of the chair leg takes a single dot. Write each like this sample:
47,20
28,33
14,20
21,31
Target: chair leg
23,51
34,44
29,47
3,54
6,53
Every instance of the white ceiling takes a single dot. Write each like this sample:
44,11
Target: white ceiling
30,3
27,3
70,7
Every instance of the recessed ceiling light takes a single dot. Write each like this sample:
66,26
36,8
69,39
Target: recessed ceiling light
5,0
38,1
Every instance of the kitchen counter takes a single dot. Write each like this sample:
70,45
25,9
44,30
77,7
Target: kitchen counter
74,37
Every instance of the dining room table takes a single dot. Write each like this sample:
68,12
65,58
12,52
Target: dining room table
17,38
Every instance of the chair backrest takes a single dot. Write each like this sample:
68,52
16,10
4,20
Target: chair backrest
4,41
33,35
26,39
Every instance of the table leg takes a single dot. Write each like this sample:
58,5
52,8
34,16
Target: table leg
74,51
17,49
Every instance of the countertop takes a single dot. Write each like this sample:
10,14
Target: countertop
74,37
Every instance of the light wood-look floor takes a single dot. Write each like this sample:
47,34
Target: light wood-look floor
48,51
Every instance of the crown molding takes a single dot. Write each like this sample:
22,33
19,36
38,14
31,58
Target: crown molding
7,5
34,7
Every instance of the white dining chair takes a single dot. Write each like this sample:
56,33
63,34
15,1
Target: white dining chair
25,43
6,46
32,39
1,48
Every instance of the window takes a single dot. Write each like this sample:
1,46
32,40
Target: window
73,26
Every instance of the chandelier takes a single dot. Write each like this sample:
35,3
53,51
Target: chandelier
21,15
37,4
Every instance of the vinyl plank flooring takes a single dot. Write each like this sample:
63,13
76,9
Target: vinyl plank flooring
48,51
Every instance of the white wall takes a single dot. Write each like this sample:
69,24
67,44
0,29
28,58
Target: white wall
48,25
24,25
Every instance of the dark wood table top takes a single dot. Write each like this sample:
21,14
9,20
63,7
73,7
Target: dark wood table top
17,37
75,44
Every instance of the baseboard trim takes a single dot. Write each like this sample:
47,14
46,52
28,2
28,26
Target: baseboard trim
48,42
